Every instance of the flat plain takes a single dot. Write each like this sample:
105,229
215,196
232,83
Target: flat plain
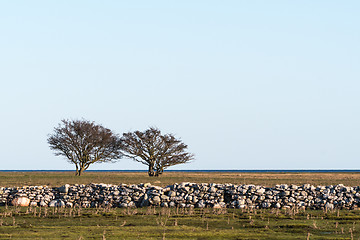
176,223
56,179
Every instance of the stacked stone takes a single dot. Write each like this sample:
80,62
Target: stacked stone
189,195
305,196
99,195
186,195
4,195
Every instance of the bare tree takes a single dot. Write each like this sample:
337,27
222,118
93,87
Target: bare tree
156,151
83,143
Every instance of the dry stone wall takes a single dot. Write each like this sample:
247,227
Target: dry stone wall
185,195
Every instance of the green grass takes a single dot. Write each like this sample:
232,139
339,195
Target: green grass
176,223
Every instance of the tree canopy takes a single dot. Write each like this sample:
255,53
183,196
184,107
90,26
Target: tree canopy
155,150
83,143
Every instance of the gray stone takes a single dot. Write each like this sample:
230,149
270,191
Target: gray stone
172,194
56,203
124,205
329,206
64,188
43,203
260,191
200,204
164,204
187,195
156,200
212,190
265,205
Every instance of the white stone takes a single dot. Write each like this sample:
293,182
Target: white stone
21,201
56,203
329,206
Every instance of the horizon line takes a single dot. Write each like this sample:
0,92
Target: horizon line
184,170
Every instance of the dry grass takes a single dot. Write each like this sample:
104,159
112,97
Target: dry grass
9,179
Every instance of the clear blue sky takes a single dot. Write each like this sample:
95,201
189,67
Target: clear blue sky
246,84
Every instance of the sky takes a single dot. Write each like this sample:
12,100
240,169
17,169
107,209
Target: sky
245,84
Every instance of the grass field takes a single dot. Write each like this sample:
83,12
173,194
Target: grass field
55,179
176,223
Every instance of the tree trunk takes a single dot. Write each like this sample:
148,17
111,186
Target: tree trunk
79,171
158,172
151,171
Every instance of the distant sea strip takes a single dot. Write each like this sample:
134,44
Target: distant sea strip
214,170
